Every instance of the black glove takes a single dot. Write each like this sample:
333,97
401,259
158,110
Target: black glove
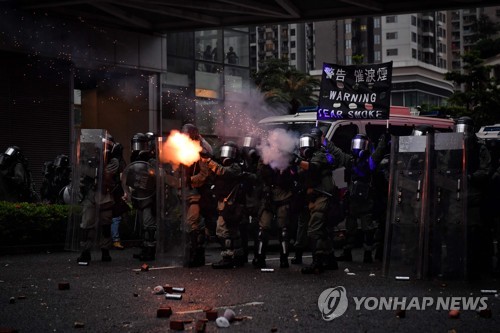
296,159
205,154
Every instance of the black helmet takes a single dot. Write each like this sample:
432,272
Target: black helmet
464,125
307,145
151,141
61,161
422,130
192,131
317,133
10,155
139,142
359,143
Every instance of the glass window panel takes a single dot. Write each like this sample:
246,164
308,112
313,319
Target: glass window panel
180,44
236,47
208,81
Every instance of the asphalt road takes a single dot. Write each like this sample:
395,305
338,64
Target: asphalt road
118,297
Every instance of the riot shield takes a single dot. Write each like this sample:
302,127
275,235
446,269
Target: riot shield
86,186
171,212
407,207
447,233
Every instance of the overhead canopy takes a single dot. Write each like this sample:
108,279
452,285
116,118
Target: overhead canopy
160,16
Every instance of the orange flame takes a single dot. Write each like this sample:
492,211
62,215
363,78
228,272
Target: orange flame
180,149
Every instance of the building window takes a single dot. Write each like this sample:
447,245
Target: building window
376,39
414,21
363,27
376,23
348,28
391,19
414,37
292,56
348,60
347,43
414,53
292,43
292,32
378,56
392,52
391,35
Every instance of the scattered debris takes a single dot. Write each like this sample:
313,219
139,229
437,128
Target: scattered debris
488,291
78,324
177,325
158,290
267,270
173,296
274,329
170,289
222,322
12,300
164,311
63,286
455,314
229,315
8,330
371,274
346,270
401,313
485,313
351,273
212,315
200,326
136,295
404,278
144,267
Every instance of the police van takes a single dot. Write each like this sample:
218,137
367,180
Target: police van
341,131
401,122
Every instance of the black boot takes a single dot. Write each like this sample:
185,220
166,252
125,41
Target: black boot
284,261
196,249
331,262
84,258
105,255
367,257
346,256
297,260
284,249
316,267
148,253
259,261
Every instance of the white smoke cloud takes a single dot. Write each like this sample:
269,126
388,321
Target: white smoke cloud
276,150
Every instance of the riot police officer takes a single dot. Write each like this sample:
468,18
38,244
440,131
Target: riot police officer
478,173
252,193
198,192
16,176
143,150
317,181
361,195
92,196
276,201
229,204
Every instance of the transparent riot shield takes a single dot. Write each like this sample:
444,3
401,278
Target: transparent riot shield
404,239
171,248
447,235
85,190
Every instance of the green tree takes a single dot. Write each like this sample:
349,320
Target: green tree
479,97
283,84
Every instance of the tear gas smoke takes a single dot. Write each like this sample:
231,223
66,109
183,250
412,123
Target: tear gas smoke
180,149
276,150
